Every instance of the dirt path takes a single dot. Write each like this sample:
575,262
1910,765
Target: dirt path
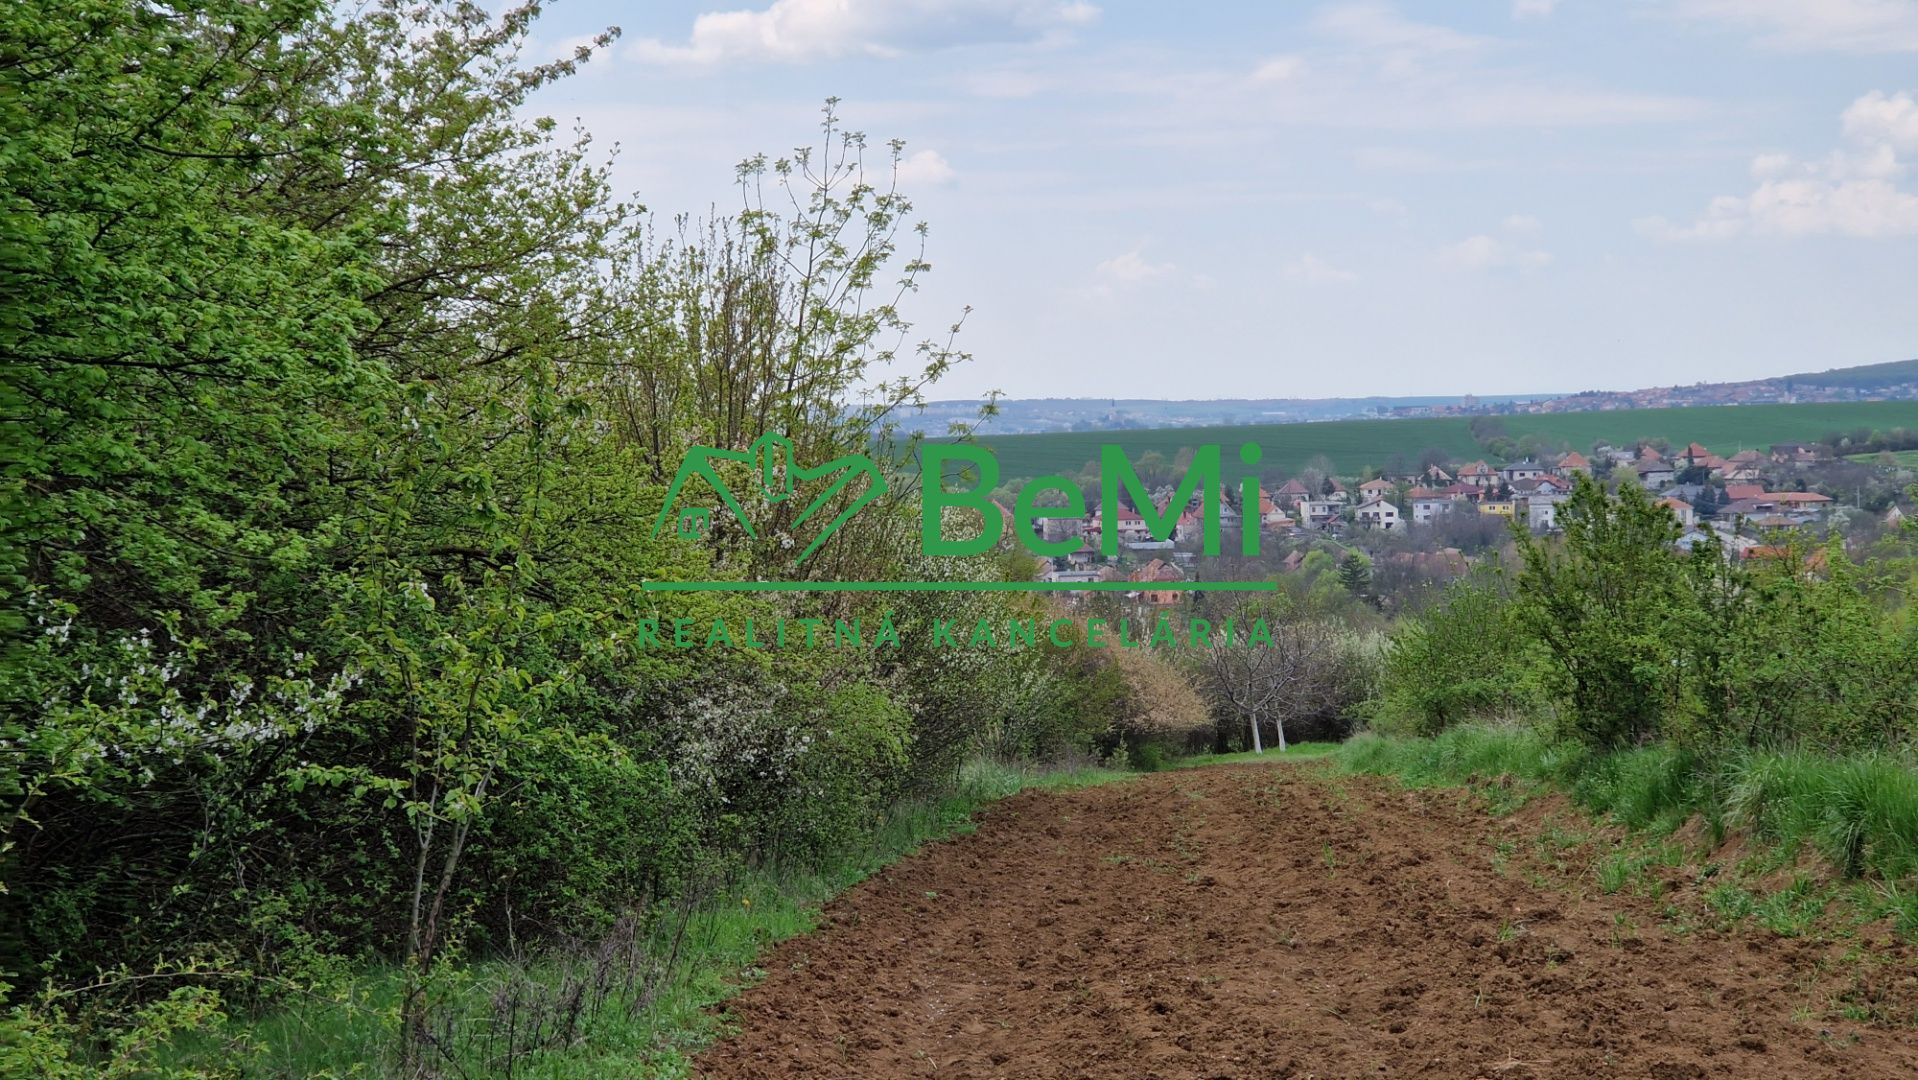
1264,921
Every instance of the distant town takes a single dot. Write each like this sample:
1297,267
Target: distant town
1897,381
1427,525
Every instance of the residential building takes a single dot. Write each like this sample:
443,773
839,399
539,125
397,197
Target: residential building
1376,513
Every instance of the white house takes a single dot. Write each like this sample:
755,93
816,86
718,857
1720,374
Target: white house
1687,516
1541,515
1319,513
1428,504
1376,513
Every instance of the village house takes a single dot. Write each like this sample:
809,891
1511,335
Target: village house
1744,465
1732,546
1190,530
1681,509
1571,463
1428,504
1793,454
1479,475
1158,570
1777,509
1696,456
1502,507
1131,527
1291,494
1537,500
1270,515
1543,487
1654,473
1320,513
1376,489
1521,470
1377,513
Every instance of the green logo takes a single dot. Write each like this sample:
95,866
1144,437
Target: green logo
771,455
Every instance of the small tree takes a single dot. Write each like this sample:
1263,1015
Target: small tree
1355,573
1286,674
1606,602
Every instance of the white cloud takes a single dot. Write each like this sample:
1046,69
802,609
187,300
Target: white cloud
1525,224
1132,268
1853,191
1400,47
1312,270
1279,69
1880,118
1483,252
802,30
1003,84
1533,9
1369,66
925,168
1859,26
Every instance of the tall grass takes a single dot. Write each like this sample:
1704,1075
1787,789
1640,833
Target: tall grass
636,1004
1859,810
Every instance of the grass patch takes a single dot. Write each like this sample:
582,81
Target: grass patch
1858,811
1298,751
649,1024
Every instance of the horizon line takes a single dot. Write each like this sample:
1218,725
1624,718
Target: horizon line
958,586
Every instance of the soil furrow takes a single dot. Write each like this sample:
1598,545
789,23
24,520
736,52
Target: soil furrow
1269,921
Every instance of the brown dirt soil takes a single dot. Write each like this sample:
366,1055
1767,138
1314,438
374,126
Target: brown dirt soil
1275,921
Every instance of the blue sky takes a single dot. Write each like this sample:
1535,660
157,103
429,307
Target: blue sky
1278,199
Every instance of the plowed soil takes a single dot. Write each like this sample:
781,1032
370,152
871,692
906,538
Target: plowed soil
1275,921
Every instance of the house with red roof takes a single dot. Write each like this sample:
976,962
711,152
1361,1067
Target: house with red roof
1158,570
1573,462
1478,474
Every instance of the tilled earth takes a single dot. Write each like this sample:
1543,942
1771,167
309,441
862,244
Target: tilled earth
1274,921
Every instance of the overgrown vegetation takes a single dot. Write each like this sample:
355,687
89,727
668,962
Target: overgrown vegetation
1776,696
342,400
1615,639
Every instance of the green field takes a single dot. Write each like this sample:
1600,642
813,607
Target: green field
1907,458
1353,445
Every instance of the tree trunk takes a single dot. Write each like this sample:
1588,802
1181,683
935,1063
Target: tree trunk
1280,725
1258,746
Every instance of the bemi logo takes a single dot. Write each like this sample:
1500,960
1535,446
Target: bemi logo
772,457
1202,479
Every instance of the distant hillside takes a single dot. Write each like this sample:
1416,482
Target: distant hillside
1354,445
1896,381
1865,377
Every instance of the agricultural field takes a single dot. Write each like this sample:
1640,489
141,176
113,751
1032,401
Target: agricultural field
1353,445
1906,458
1279,920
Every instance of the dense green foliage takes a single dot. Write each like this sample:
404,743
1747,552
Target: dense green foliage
341,401
1620,639
1353,446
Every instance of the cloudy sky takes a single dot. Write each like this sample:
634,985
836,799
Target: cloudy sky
1148,199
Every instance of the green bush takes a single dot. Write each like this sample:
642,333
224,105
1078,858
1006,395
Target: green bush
586,832
1464,658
